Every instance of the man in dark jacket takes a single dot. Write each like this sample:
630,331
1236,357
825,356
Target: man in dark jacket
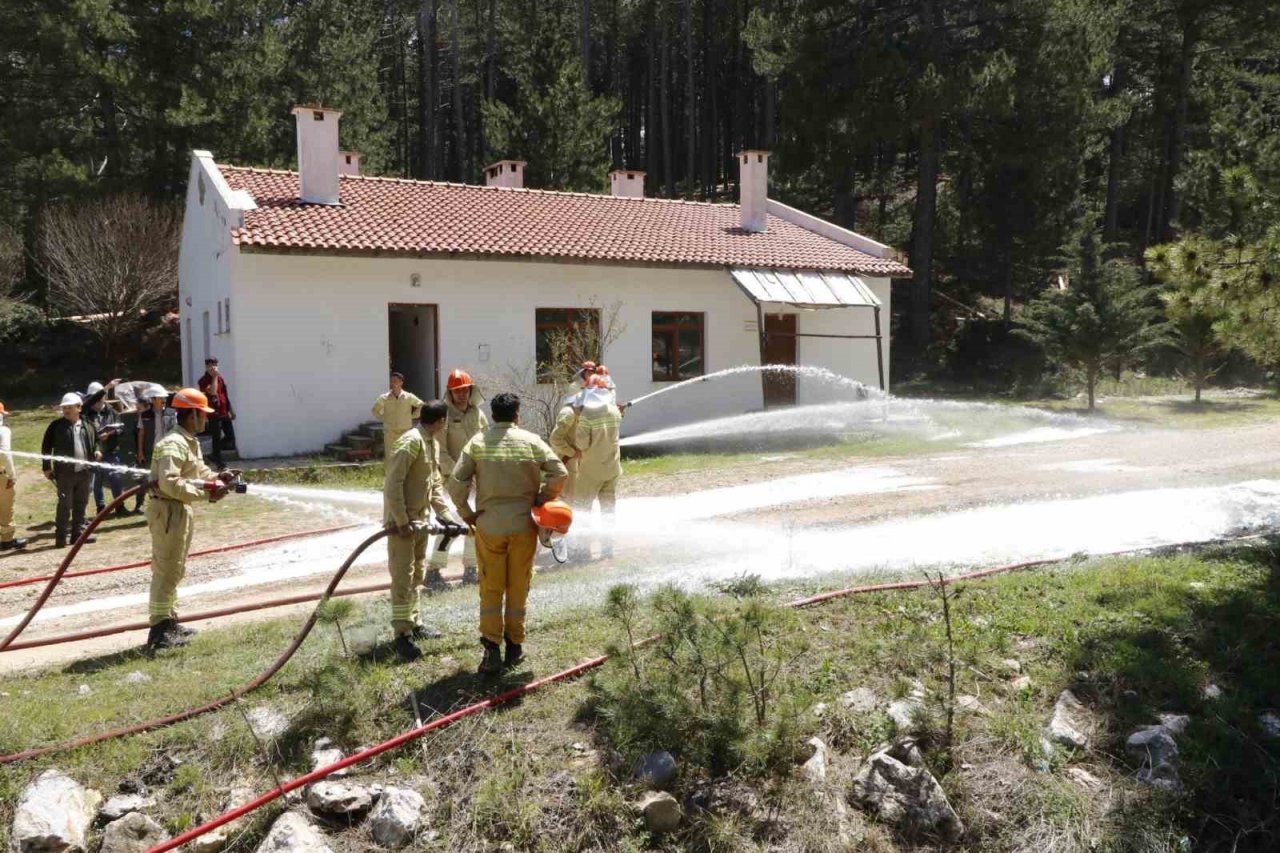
98,411
71,438
220,427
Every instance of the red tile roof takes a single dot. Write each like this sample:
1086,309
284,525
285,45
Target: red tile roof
392,216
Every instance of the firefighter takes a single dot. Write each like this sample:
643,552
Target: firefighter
412,485
564,438
513,471
594,433
465,422
397,410
179,477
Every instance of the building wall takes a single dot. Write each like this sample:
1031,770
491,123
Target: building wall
311,336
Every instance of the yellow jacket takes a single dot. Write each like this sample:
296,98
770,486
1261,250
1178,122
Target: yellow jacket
396,413
593,431
413,481
177,467
510,467
463,426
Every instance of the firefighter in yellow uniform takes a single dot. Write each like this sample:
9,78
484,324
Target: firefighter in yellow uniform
179,478
465,422
513,471
412,486
587,433
397,410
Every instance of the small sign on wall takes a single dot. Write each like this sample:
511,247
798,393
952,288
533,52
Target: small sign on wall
750,326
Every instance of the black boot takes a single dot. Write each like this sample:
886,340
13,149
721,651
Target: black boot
405,648
165,635
13,544
491,663
184,630
515,654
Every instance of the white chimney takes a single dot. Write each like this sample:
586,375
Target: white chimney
349,163
753,178
626,183
318,154
505,173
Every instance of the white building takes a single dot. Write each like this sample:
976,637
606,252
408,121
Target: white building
310,286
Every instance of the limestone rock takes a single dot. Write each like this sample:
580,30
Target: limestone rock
656,770
137,677
967,704
133,833
905,713
1174,724
906,750
339,799
859,699
1211,692
266,722
397,816
1084,779
53,814
122,804
661,812
84,690
293,833
325,753
217,840
815,769
1022,682
1012,666
1067,726
1154,748
908,797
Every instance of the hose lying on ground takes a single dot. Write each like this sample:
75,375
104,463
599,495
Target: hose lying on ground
571,672
188,714
221,549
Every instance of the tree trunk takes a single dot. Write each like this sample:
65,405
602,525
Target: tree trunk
651,98
462,167
429,100
664,90
1171,202
1111,214
922,233
585,38
690,102
1091,380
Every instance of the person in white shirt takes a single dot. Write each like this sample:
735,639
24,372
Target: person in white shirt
8,482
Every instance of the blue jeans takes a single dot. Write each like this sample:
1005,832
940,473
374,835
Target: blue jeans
112,477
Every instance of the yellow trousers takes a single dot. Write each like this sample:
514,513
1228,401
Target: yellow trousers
406,556
171,524
506,569
587,489
6,510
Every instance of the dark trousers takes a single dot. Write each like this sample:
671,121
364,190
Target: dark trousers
103,477
224,438
73,496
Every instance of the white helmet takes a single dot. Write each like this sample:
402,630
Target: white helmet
71,398
94,388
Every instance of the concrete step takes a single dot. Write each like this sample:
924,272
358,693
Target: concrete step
338,451
373,429
359,442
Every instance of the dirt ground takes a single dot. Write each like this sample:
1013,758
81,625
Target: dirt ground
958,479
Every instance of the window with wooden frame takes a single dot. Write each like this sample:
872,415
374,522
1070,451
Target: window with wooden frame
679,345
564,338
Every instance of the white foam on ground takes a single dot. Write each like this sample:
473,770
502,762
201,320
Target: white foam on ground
1092,466
1040,435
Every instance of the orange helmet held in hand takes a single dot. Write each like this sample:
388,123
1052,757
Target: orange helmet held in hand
597,381
458,379
191,398
556,516
602,370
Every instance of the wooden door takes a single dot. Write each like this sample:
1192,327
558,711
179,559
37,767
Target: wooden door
779,348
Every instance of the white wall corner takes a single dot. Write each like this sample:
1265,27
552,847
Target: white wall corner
830,230
207,180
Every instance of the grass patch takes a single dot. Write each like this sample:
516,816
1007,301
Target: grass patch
1132,637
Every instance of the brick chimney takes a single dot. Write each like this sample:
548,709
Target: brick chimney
318,153
753,178
505,173
348,162
626,183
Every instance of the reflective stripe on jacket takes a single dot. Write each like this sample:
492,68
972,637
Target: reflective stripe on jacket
413,481
177,467
510,467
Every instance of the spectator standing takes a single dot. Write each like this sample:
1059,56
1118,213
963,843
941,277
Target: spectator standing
153,425
70,438
8,488
397,410
220,427
99,412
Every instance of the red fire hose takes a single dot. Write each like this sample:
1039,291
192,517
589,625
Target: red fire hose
217,703
66,561
219,550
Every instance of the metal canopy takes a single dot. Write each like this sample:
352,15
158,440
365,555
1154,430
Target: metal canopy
805,289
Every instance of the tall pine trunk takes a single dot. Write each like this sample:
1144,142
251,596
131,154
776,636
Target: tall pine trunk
690,102
428,122
668,173
1172,202
922,232
462,167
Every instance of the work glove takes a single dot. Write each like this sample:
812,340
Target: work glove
219,492
229,475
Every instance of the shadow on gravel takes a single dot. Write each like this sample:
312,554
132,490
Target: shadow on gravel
1190,639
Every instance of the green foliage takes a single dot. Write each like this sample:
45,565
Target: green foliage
1103,321
715,688
554,121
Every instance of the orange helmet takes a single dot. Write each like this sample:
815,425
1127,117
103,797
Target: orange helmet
556,516
597,381
2,409
458,379
191,398
588,367
602,370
